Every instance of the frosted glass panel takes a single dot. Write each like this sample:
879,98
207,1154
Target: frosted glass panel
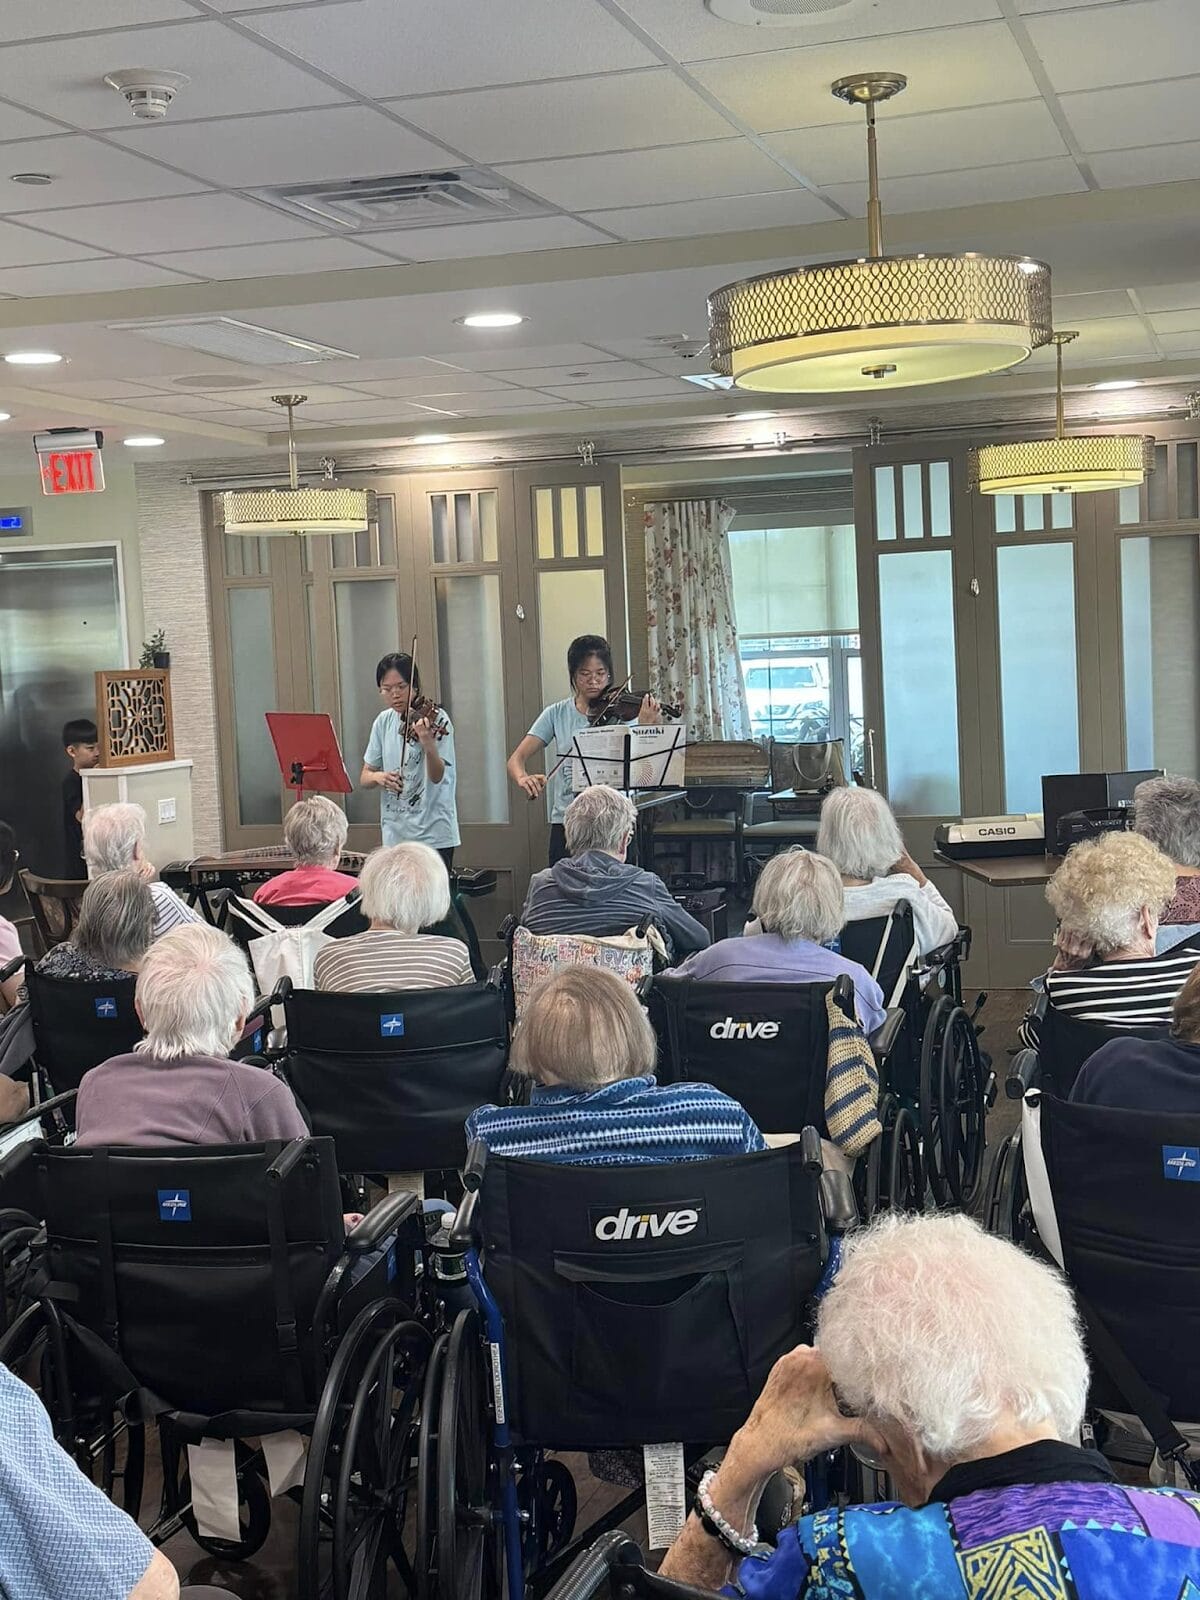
387,531
471,675
1039,692
914,500
252,646
489,528
1129,509
939,499
366,622
920,699
543,523
568,505
1160,652
1061,510
1005,506
593,516
1033,512
885,502
569,603
794,580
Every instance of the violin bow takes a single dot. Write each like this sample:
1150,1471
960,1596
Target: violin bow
412,689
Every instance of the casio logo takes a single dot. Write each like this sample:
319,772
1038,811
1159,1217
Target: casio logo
729,1029
996,833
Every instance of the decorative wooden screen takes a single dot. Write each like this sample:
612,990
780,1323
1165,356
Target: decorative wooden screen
133,715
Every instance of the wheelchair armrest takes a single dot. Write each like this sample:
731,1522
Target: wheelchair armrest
383,1219
508,927
11,968
1024,1074
55,1103
474,1166
838,1205
810,1149
495,977
883,1040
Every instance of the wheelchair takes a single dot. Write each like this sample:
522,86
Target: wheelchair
766,1045
610,1308
939,1076
151,1259
1113,1197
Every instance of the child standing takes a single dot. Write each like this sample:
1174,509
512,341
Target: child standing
82,744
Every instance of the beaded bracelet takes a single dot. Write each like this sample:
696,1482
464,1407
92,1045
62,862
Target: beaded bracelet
739,1544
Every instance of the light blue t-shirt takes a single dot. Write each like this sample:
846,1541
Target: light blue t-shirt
425,813
557,725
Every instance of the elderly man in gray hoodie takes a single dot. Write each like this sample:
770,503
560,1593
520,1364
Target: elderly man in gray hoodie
595,890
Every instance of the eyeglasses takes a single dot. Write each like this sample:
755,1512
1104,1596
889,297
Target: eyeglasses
592,677
392,688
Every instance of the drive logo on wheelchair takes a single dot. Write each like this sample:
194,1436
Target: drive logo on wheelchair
729,1028
1181,1162
653,1222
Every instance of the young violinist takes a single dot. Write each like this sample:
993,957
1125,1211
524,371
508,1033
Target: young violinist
590,671
410,760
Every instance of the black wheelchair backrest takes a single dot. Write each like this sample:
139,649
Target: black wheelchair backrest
646,1304
237,925
200,1266
764,1044
1126,1192
392,1078
886,947
76,1025
1065,1043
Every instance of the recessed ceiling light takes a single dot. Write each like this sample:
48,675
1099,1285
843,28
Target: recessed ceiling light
750,416
32,358
1118,383
140,441
432,438
491,319
35,179
5,416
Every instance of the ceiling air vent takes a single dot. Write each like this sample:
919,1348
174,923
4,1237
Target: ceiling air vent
777,13
233,340
412,200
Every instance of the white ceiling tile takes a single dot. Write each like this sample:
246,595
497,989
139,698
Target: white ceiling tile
392,49
450,381
493,356
1109,336
946,67
511,400
269,260
359,410
1170,297
84,171
354,372
253,421
34,19
23,247
1137,42
620,111
316,394
17,123
940,190
1141,114
156,226
597,371
229,73
692,33
683,397
288,146
1176,321
187,405
107,389
466,239
88,277
1180,344
730,214
234,7
651,177
1032,8
1131,169
1072,308
934,142
639,389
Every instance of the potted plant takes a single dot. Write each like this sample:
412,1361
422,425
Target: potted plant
155,652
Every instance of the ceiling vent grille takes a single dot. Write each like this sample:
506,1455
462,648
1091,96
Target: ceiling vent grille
777,13
412,200
234,340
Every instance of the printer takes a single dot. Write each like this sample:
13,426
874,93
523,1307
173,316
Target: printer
1019,835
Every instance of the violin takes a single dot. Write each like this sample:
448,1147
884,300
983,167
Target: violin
423,709
622,704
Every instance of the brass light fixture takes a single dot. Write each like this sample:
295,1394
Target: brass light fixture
880,322
1082,464
276,513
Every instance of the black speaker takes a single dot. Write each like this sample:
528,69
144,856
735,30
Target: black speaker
1085,791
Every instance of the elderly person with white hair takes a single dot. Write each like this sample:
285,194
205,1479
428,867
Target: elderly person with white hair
798,906
112,934
955,1362
1167,812
594,890
314,830
405,887
858,832
193,996
586,1043
114,838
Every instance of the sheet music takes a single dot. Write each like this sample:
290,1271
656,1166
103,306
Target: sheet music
655,757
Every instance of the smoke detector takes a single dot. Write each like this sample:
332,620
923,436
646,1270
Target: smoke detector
149,90
776,13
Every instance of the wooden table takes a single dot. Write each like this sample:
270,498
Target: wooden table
1005,872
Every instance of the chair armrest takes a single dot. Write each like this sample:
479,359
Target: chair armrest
883,1040
839,1208
1024,1074
383,1219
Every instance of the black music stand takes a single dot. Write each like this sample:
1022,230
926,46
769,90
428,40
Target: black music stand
308,753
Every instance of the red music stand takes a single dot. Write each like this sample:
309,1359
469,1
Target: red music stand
308,753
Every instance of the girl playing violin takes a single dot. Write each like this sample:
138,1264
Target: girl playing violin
415,774
590,670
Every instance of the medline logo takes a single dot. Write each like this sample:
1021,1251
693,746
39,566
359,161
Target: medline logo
1181,1162
729,1029
106,1007
652,1223
175,1205
391,1024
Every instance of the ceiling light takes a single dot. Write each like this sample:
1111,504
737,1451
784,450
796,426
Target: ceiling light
750,416
5,416
1081,464
432,438
37,180
271,513
32,358
491,319
142,441
879,322
1117,383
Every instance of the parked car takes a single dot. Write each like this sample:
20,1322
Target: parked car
787,696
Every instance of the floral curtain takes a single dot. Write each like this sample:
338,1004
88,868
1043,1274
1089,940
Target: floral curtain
689,616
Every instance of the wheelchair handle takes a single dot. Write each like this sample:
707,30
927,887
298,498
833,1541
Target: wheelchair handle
810,1149
462,1229
286,1160
843,997
839,1209
1024,1074
476,1163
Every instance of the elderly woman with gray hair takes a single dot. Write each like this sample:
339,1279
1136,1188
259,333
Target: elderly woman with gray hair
955,1362
114,839
314,830
859,834
799,907
1167,812
113,932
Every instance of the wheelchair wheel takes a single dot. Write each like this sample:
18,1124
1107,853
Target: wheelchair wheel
466,1565
930,1104
904,1189
254,1510
427,1449
999,1177
962,1111
868,1177
548,1501
353,1504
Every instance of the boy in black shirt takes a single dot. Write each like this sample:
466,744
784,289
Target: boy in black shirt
81,742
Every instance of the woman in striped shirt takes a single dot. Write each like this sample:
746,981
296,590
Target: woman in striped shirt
1108,895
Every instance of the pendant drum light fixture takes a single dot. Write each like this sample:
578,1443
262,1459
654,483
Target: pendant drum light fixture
277,513
1082,464
879,322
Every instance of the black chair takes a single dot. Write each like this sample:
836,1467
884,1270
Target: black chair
1064,1044
392,1078
218,1287
77,1024
887,948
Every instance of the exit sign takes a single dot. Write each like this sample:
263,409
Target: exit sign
69,460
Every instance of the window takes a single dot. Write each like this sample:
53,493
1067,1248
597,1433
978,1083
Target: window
805,688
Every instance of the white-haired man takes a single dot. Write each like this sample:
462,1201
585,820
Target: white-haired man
194,993
954,1362
593,889
114,837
